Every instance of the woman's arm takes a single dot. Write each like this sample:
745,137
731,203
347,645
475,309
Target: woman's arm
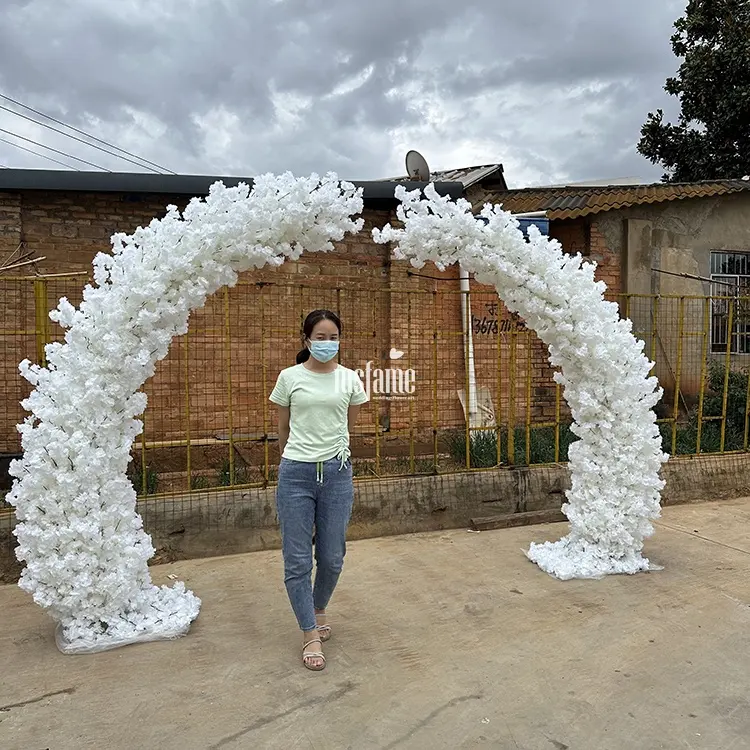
283,428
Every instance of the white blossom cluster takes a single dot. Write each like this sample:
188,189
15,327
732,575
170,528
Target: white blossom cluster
79,533
615,483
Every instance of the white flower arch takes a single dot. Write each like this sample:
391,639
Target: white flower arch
79,533
615,465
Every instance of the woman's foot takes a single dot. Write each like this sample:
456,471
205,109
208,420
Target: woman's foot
312,651
324,629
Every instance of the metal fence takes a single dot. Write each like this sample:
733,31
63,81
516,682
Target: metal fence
456,382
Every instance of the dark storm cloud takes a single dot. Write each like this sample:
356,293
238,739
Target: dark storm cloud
555,91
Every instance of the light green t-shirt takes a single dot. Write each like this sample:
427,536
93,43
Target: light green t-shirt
318,411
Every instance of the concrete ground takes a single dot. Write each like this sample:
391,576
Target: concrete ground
441,640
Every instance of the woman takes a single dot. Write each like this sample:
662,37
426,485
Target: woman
318,402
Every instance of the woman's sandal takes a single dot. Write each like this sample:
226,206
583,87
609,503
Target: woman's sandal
313,655
323,630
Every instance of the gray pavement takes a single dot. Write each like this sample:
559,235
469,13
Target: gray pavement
441,640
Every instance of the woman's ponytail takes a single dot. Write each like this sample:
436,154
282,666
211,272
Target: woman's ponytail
303,356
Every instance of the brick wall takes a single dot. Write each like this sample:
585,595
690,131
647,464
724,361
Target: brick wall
585,237
10,223
244,336
609,265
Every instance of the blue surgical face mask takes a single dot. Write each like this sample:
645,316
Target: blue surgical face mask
324,351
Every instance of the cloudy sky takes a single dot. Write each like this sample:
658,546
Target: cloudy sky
554,91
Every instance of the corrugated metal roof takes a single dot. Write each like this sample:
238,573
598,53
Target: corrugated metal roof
467,176
571,202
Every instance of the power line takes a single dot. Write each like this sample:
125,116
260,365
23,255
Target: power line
49,148
82,132
37,153
80,140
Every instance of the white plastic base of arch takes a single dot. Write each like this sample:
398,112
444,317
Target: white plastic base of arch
104,644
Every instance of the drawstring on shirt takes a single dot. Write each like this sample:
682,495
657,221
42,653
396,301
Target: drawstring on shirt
343,454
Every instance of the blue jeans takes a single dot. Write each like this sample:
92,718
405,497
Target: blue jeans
313,497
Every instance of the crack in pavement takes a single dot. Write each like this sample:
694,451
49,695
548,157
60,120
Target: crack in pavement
430,717
696,535
340,693
65,691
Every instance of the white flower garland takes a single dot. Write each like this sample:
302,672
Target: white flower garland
79,533
615,465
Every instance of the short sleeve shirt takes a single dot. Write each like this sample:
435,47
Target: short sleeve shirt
318,411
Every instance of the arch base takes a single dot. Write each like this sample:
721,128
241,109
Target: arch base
572,557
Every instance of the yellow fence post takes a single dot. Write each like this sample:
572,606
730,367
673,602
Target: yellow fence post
375,397
528,397
435,379
654,330
408,367
228,357
186,373
727,368
558,393
512,397
678,374
467,388
704,360
264,379
498,399
41,320
144,484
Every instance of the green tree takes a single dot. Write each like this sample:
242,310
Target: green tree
711,139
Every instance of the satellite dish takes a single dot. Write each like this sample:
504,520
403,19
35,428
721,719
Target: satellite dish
416,167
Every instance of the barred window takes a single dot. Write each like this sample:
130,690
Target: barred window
730,284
